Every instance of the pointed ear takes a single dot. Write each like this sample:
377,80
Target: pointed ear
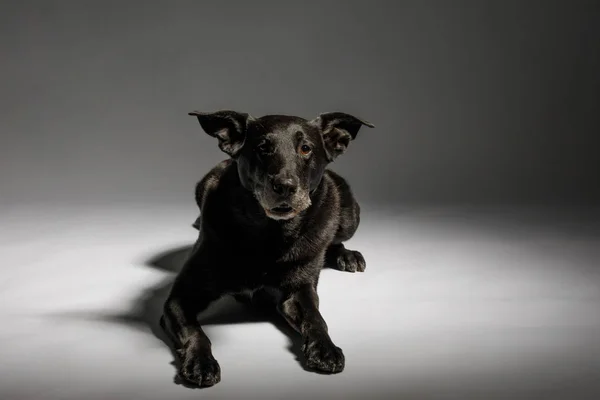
338,129
229,127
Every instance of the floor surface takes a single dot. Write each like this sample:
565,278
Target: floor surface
456,303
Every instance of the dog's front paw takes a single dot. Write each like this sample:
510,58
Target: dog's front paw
324,356
201,370
348,260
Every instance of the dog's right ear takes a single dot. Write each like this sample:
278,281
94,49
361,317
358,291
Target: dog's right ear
229,127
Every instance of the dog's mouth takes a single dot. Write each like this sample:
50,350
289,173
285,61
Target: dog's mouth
282,211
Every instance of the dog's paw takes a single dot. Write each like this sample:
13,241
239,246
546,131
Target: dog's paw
199,370
324,356
349,260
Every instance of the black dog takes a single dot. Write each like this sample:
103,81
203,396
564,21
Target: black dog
270,217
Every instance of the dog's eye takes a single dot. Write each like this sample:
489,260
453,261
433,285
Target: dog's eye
305,149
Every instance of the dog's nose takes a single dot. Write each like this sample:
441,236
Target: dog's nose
284,186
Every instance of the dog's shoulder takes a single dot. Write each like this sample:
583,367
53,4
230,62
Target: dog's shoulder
340,185
336,178
210,181
208,184
342,189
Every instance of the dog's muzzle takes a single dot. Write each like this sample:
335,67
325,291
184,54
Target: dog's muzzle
283,210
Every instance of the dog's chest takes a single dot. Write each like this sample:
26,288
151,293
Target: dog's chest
265,266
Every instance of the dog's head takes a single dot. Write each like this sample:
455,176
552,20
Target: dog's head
281,159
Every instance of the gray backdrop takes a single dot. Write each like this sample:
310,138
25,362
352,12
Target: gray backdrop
473,101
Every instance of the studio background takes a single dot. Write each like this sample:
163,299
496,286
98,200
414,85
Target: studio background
477,105
473,102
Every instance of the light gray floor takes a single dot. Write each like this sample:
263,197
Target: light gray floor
455,303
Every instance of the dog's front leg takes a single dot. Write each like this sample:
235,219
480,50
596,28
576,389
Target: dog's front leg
197,364
300,307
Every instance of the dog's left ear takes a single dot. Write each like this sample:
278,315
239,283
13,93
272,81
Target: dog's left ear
229,127
338,129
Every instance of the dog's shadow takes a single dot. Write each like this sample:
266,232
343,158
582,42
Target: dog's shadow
147,309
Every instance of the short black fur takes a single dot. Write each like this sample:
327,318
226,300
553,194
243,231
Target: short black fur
271,216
